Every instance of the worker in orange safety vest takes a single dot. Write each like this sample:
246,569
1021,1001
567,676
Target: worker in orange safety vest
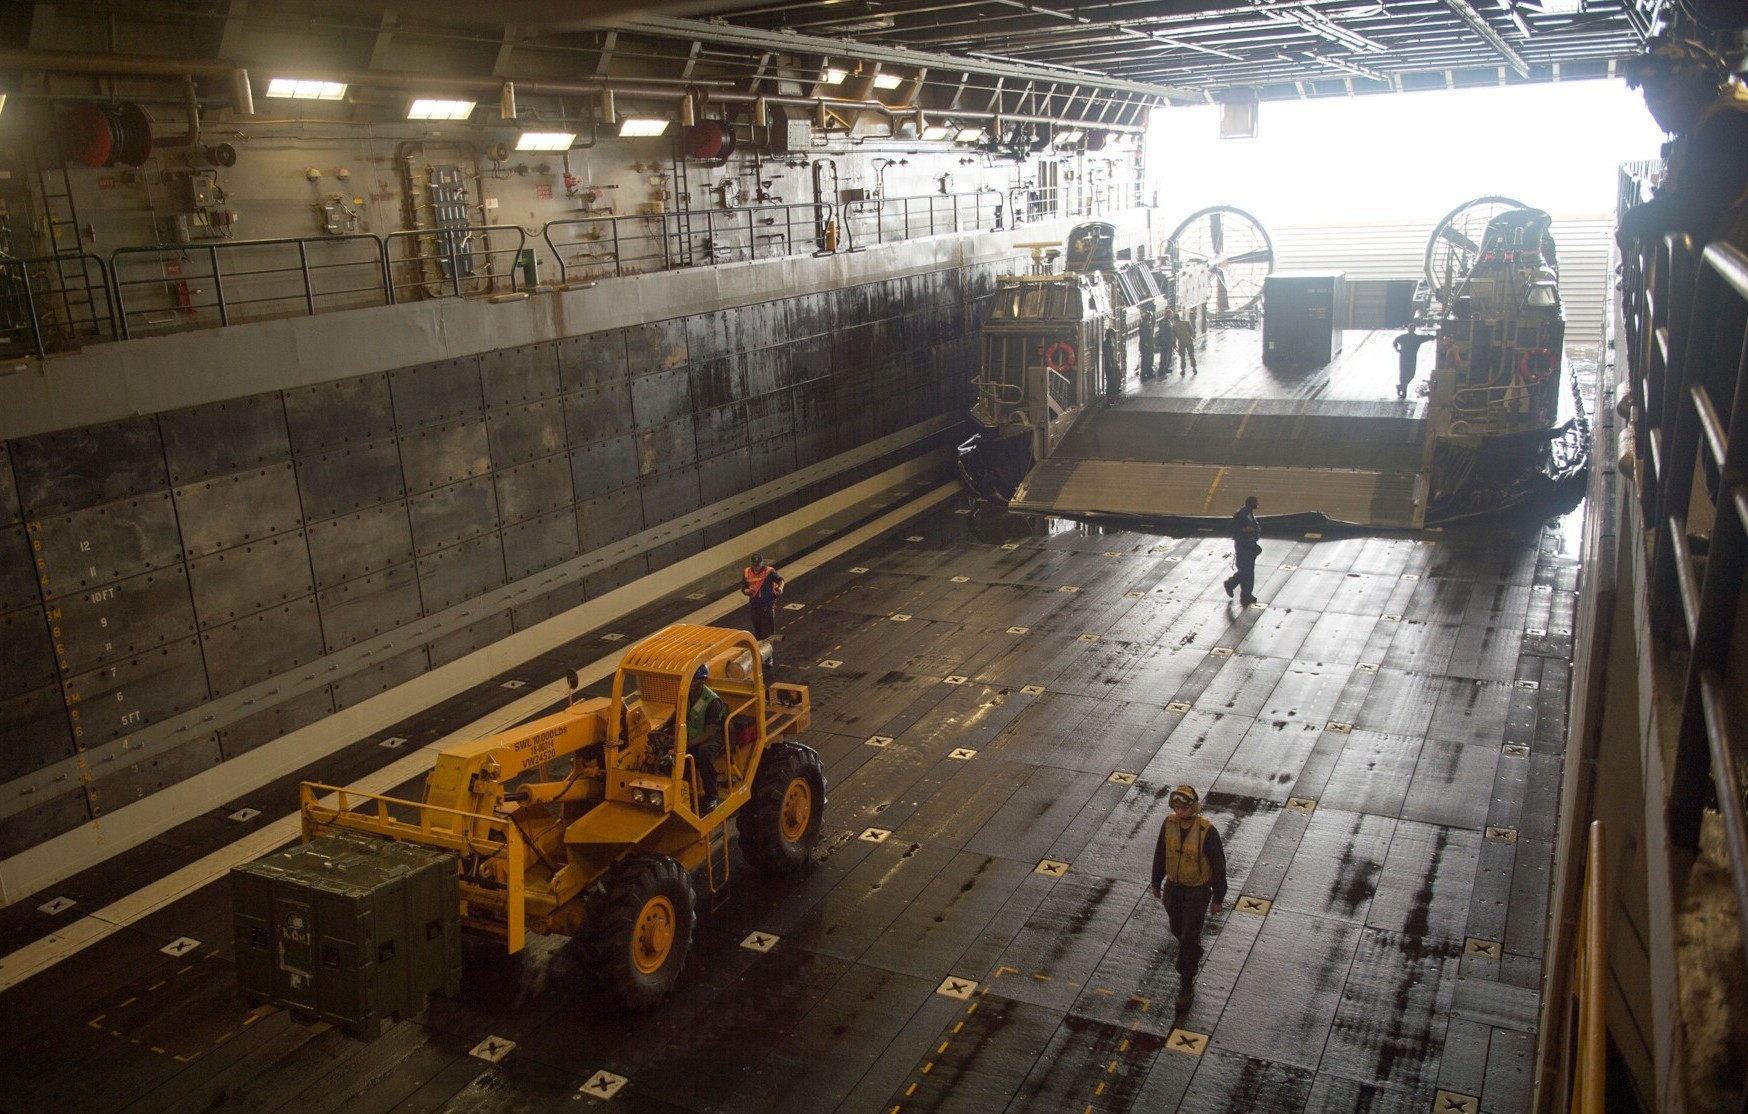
761,585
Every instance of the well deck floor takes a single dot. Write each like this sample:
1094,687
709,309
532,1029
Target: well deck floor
1002,706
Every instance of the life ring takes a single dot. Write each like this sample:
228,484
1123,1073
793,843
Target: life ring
1059,357
1535,365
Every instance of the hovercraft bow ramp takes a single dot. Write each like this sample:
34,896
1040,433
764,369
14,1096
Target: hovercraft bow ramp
1149,457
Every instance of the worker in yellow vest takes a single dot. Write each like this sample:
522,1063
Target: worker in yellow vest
1192,862
761,585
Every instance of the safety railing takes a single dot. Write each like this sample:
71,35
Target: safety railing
1063,396
51,303
1029,204
1502,408
883,220
459,262
1688,364
228,282
587,248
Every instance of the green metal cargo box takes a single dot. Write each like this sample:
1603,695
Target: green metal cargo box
350,930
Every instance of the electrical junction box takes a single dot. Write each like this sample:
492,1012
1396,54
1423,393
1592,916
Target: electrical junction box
1302,318
349,930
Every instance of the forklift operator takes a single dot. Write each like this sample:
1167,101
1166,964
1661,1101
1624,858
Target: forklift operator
705,713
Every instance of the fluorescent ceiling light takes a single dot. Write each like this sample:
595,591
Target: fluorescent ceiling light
833,75
1562,7
2,102
424,109
545,141
969,135
641,125
887,80
301,90
937,131
1063,139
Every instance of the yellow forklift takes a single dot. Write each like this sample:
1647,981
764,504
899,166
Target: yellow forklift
589,822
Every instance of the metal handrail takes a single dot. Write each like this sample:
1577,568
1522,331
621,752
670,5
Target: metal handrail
453,257
39,318
169,299
623,244
1698,346
184,303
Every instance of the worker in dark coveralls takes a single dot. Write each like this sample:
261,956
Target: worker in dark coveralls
761,585
1183,338
1690,94
1192,861
1246,544
1408,348
1149,334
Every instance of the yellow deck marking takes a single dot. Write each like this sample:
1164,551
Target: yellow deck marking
227,1036
158,1050
154,986
928,1066
1212,488
127,1003
186,969
1124,1047
1100,1089
1000,971
971,1009
97,1022
1102,990
908,1091
943,1047
958,1025
1042,978
1244,421
1111,1068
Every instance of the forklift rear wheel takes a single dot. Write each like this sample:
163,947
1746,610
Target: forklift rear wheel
639,943
780,825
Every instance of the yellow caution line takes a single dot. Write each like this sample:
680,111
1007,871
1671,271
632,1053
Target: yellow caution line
1220,476
1244,421
1212,488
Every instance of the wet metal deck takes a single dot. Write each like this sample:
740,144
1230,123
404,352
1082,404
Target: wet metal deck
1002,713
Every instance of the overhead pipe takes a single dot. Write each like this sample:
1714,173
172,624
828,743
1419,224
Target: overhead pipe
191,102
144,65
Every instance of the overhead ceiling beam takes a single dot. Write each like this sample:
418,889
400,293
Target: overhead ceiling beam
1482,28
1345,67
1320,25
672,28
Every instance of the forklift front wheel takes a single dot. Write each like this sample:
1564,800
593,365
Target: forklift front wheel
640,943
